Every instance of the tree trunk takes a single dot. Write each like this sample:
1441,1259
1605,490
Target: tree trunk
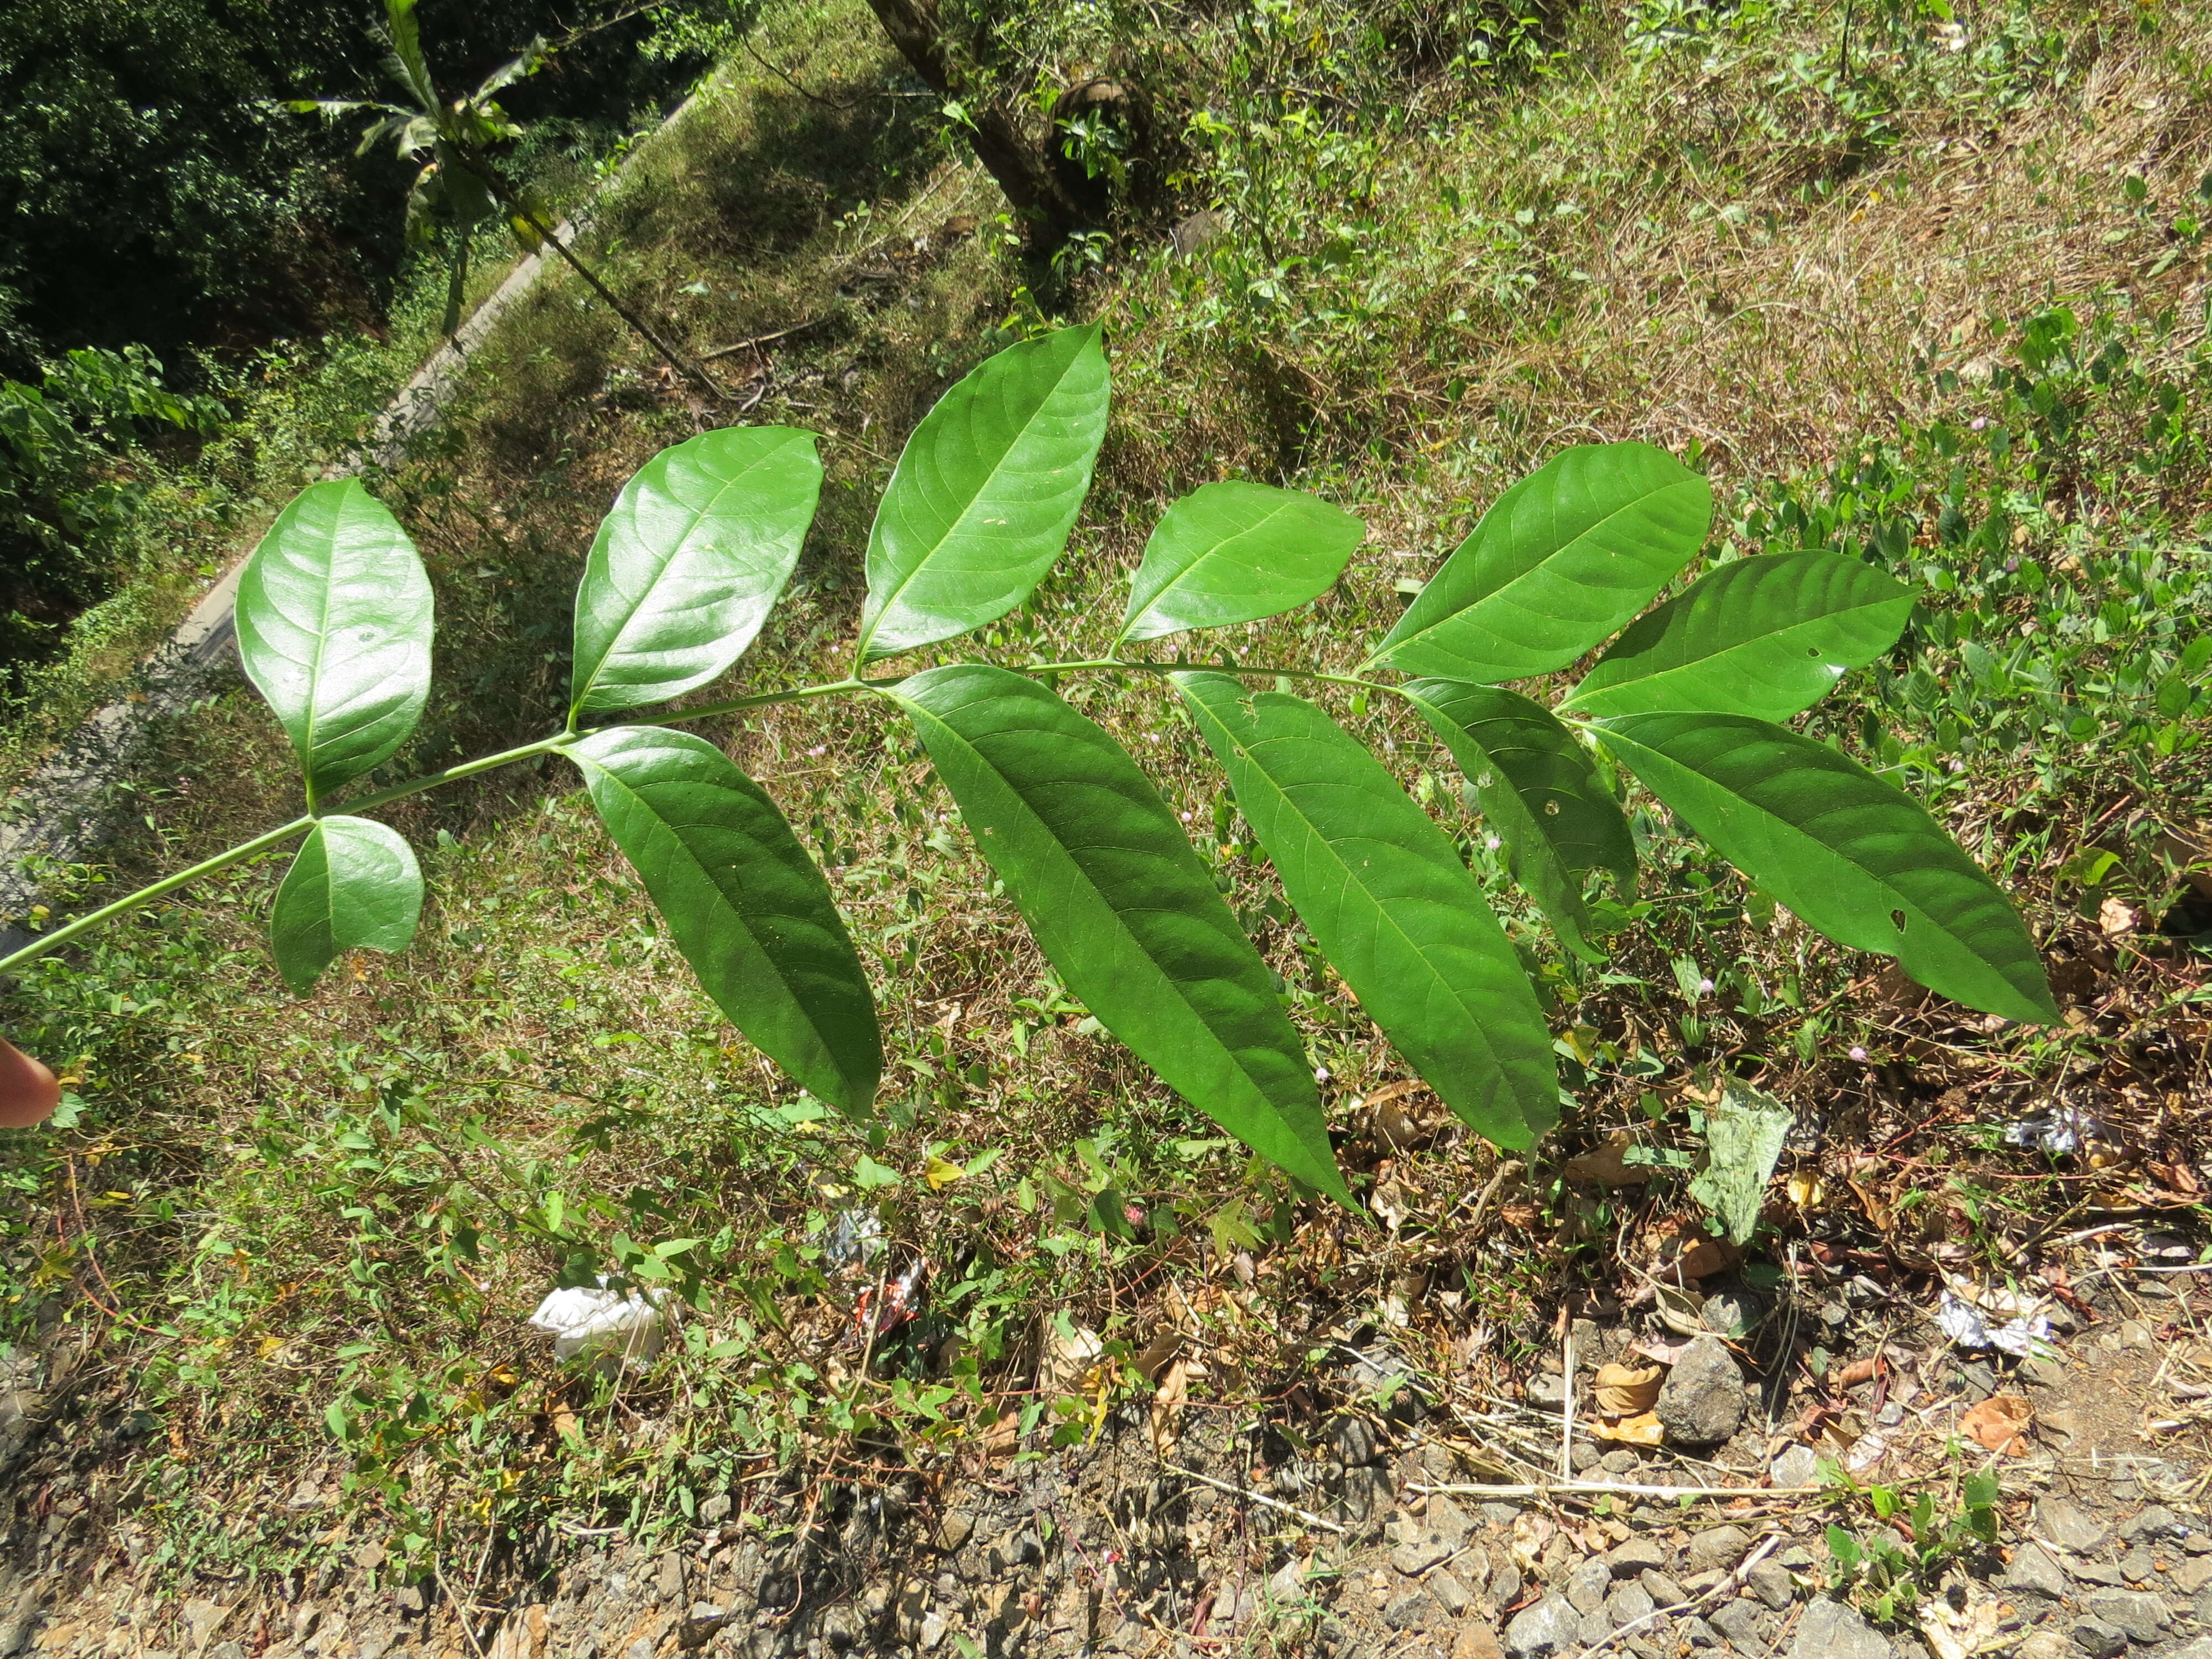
1020,170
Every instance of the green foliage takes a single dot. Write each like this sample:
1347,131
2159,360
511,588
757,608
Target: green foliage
71,508
334,623
748,908
985,493
334,626
353,886
1888,1568
1745,1130
688,565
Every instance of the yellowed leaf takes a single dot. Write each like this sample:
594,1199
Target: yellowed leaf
941,1172
1642,1430
1628,1390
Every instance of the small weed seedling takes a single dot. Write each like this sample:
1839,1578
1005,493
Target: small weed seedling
1889,1567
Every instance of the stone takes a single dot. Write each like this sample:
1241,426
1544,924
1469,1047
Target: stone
2099,1639
1477,1641
1662,1590
1628,1603
933,1631
1830,1630
952,1531
1701,1402
1797,1466
1717,1549
1546,1393
1547,1628
1638,1556
1357,1444
1451,1592
715,1510
671,1577
1743,1622
1447,1521
1732,1311
1418,1555
2142,1615
1288,1585
1696,1632
1595,1630
1772,1584
1588,1583
2035,1571
2099,1572
2201,1609
2067,1526
2046,1642
1410,1609
2191,1574
1365,1503
1506,1583
2138,1566
2156,1523
1908,1647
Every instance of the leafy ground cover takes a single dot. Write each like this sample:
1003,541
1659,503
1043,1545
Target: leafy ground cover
1944,311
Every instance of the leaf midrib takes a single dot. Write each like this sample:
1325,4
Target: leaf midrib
1139,612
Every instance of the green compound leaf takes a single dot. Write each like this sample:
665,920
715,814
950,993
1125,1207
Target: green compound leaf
745,905
1234,553
1559,563
690,563
1539,791
1121,906
985,493
1745,1131
1849,854
1764,637
334,629
1389,903
354,885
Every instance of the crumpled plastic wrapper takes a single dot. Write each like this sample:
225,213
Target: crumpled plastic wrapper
1994,1319
595,1321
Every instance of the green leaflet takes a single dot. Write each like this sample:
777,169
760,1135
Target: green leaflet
985,493
1852,856
1120,905
1236,552
1559,563
334,629
743,903
686,568
354,885
1538,789
1745,1131
1764,636
1390,904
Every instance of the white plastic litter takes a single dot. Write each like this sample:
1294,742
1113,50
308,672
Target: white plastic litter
1994,1319
585,1319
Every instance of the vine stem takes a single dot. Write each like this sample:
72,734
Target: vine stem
271,839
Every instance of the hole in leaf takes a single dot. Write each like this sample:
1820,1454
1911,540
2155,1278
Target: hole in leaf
1897,920
1551,809
1811,650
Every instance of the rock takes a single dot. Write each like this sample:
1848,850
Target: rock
2034,1572
1418,1555
2099,1639
2142,1615
2138,1566
1743,1622
1357,1444
1410,1609
1547,1393
1595,1630
2156,1523
2067,1526
1447,1521
1662,1590
933,1631
952,1531
1477,1641
1505,1585
2191,1574
1638,1556
1288,1584
1587,1584
1797,1466
2099,1572
1539,1631
1696,1632
671,1577
1628,1603
1908,1647
2045,1643
1718,1549
1732,1311
1451,1592
715,1510
1701,1402
1365,1502
1772,1584
1830,1629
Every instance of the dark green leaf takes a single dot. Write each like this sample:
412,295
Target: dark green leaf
1234,553
1559,563
1539,791
745,905
985,493
1389,903
1764,636
1850,854
334,629
354,885
687,567
1120,905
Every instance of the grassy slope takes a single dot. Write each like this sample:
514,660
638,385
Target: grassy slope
327,1217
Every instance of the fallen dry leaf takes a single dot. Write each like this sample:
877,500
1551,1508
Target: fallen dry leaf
1607,1166
1625,1390
1706,1257
1858,1371
1999,1422
1643,1429
2116,917
1167,1405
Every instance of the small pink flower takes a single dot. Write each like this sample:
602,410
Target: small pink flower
1859,1054
818,751
1704,987
1978,423
1186,817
